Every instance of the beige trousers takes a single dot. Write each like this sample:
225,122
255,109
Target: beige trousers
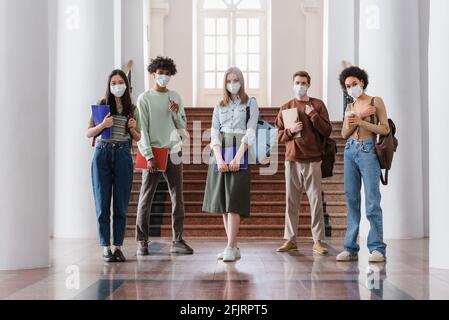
303,177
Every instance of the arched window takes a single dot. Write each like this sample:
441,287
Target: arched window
231,33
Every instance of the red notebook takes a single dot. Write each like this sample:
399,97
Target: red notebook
160,155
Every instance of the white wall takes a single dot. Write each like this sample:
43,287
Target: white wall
134,40
288,48
178,40
24,164
339,46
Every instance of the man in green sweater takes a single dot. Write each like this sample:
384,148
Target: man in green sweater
161,113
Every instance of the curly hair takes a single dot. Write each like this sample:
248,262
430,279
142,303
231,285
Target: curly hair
163,63
355,72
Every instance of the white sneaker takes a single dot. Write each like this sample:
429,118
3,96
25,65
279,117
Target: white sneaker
237,255
230,255
376,257
346,256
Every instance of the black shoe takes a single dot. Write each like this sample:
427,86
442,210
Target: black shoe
119,256
180,247
108,257
142,250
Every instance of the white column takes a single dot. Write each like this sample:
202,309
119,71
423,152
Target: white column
389,51
438,152
24,182
339,45
85,58
313,10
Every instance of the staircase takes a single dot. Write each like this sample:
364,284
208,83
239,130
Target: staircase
267,194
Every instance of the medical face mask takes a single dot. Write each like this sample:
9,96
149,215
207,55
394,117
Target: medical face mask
300,91
118,90
162,80
355,92
234,88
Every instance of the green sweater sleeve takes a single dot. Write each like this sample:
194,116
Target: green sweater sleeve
144,118
180,119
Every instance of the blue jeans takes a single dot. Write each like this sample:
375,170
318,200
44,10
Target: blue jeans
361,164
112,176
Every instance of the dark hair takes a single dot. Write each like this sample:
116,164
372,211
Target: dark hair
163,63
109,98
303,74
355,72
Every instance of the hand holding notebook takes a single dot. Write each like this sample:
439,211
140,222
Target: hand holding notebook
99,113
160,159
229,153
291,118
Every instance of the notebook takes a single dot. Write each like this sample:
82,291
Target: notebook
229,154
160,156
99,113
291,117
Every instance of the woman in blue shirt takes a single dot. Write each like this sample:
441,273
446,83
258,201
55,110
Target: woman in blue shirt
228,189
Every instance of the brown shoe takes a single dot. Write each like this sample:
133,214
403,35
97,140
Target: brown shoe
288,246
319,248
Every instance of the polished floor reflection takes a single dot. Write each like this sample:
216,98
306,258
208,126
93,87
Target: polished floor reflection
77,272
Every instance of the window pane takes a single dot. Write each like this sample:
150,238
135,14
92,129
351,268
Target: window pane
222,44
209,27
242,61
242,26
220,79
254,81
209,80
222,62
209,62
241,45
222,26
254,26
250,4
245,76
254,63
254,44
214,4
209,44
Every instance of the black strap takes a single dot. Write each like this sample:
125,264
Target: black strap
384,179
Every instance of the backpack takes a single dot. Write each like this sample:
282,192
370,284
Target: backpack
328,157
386,146
329,152
266,138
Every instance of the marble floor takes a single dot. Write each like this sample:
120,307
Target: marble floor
77,272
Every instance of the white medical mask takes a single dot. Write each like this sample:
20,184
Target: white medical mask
355,92
118,90
234,88
162,80
300,91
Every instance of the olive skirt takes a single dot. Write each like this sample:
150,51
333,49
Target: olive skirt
228,192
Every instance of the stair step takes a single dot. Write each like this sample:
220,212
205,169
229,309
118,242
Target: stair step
255,185
258,206
217,231
269,195
256,219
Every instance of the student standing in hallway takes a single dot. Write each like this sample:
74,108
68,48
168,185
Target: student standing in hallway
228,191
162,113
303,161
365,118
112,165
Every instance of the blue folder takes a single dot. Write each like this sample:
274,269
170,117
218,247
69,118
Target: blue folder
99,113
229,154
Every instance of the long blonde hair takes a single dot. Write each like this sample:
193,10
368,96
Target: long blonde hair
242,93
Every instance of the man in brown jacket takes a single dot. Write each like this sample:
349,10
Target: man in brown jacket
303,161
